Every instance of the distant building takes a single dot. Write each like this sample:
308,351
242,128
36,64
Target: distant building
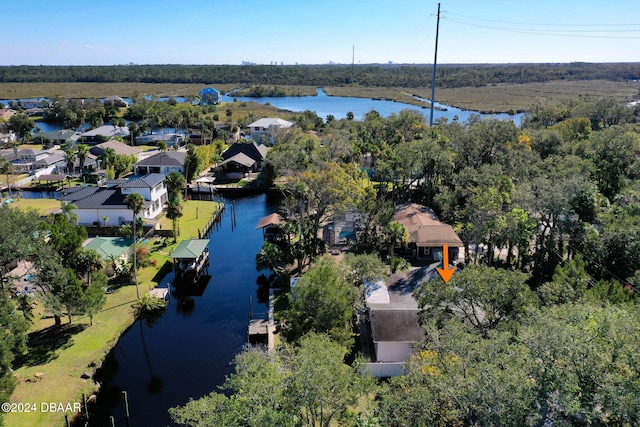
265,130
210,96
116,101
107,131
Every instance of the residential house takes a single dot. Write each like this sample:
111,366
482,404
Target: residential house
266,130
117,147
24,160
96,203
163,162
106,131
115,100
341,229
394,319
210,96
27,104
59,137
7,138
242,158
110,247
427,235
172,139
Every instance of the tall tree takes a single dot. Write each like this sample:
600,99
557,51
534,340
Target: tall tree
482,296
323,302
135,202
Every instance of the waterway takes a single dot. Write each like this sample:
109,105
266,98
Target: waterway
338,106
188,351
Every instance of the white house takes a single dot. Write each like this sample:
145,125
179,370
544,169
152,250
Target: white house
94,204
265,130
165,163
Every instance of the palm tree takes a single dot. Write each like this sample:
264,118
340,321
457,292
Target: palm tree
162,146
83,151
134,130
70,156
68,211
396,233
105,219
174,212
175,183
135,202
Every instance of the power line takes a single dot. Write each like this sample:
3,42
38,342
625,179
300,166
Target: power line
556,33
544,25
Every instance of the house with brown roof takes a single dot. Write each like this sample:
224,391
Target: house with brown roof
117,147
427,234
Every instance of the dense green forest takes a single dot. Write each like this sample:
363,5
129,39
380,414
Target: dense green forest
327,75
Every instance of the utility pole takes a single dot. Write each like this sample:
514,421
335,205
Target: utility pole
435,61
353,60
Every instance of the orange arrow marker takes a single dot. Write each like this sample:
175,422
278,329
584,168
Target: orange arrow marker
445,272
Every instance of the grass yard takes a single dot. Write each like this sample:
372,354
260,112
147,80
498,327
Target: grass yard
52,369
43,206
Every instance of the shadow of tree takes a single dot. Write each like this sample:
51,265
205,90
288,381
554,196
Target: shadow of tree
43,345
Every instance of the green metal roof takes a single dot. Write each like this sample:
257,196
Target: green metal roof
190,249
107,246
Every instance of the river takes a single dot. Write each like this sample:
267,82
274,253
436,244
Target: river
187,352
339,106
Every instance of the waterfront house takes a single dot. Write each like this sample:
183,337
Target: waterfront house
210,96
95,203
115,101
164,162
58,137
267,129
106,131
241,158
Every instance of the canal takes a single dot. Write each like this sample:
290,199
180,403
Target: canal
188,351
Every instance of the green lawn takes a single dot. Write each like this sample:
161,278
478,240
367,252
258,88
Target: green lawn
43,206
52,369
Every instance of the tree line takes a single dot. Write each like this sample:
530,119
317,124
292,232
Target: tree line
376,75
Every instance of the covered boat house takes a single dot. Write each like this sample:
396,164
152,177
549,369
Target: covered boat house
191,259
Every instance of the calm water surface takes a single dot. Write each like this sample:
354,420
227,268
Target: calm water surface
188,351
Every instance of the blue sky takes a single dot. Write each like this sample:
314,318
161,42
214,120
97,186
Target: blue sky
86,32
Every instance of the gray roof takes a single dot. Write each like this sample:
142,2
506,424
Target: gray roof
241,159
396,325
60,135
147,181
108,130
96,197
251,149
168,158
51,160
